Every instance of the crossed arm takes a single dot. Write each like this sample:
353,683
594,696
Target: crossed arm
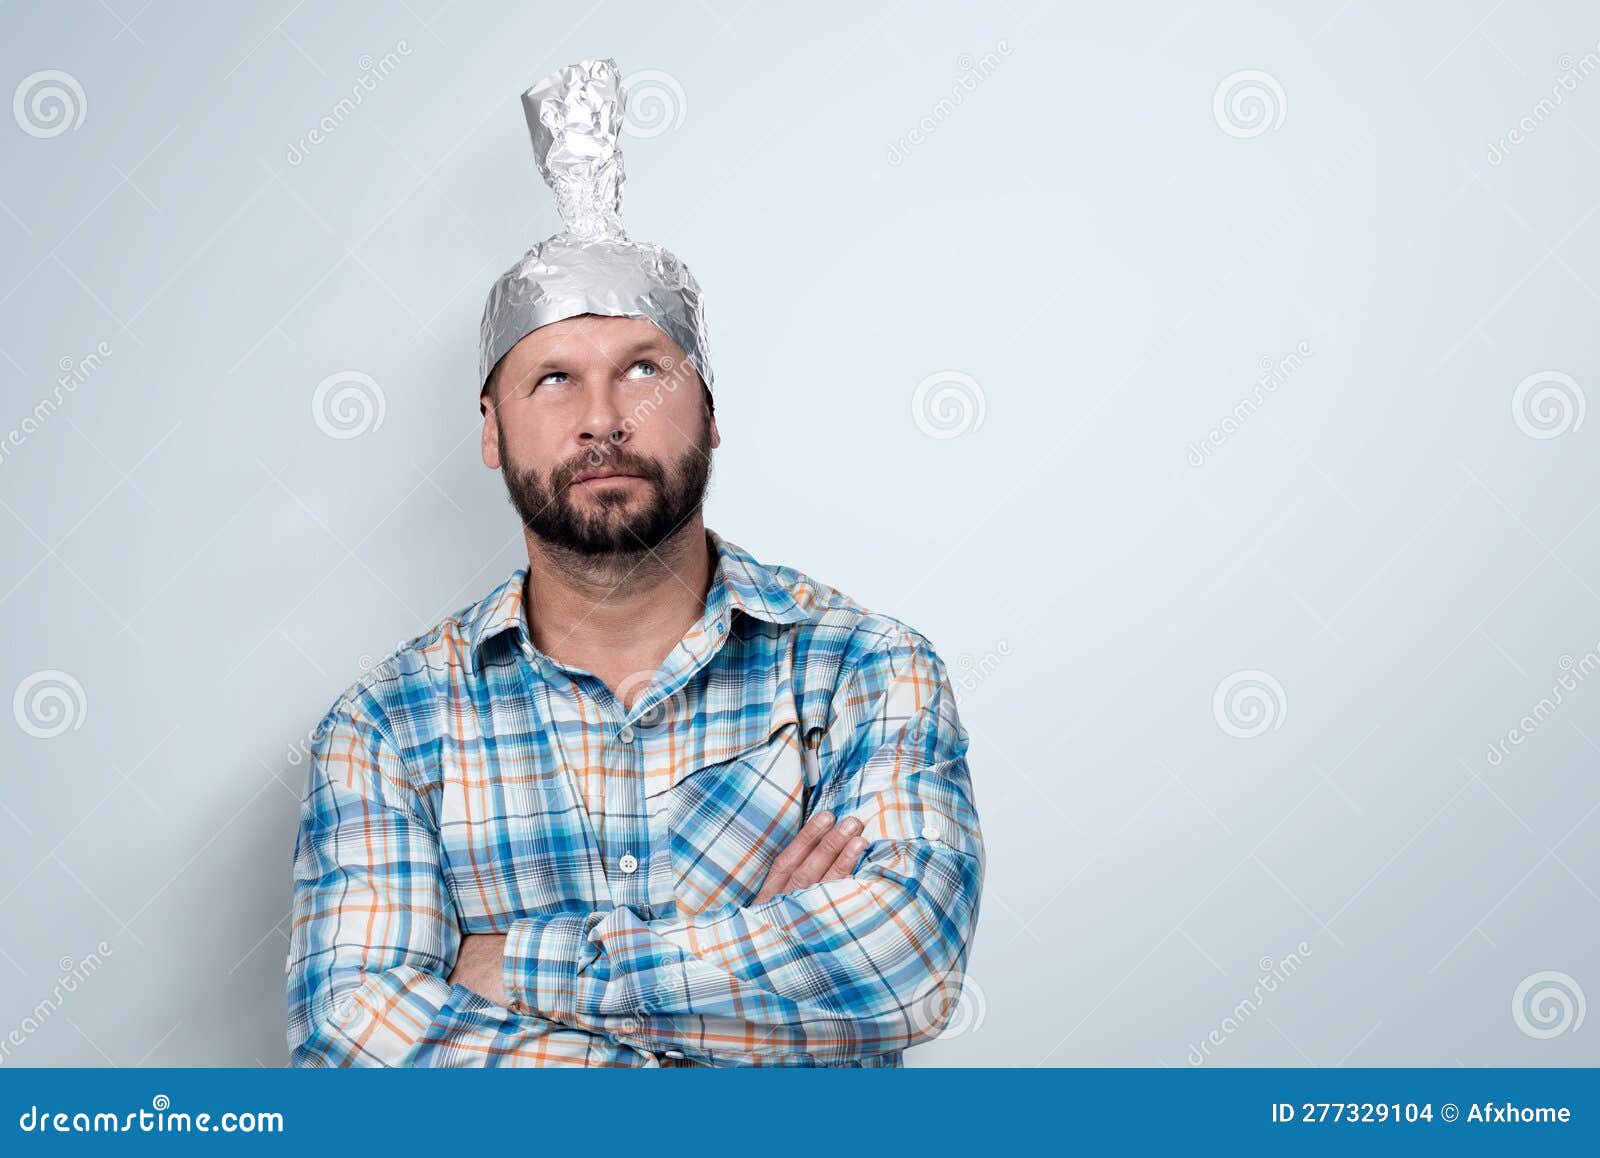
820,851
829,972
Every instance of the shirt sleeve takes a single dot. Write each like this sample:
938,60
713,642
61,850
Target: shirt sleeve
840,970
373,933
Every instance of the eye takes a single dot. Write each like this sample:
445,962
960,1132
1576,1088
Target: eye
553,374
649,366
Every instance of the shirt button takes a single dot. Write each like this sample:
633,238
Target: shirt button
628,863
673,1053
931,831
625,734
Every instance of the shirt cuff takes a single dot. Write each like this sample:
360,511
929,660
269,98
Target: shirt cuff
543,956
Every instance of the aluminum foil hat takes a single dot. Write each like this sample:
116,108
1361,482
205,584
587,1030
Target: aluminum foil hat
591,266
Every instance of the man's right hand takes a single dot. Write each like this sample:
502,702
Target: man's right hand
821,851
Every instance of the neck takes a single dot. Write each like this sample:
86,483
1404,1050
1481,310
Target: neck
618,613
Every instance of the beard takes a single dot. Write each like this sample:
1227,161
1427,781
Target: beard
612,520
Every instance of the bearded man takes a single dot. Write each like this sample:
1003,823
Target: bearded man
648,802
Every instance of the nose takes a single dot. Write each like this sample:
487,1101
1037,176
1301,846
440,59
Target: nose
602,425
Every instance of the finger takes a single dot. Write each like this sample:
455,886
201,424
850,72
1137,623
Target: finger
846,864
826,852
795,852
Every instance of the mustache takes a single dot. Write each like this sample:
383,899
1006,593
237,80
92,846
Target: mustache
562,477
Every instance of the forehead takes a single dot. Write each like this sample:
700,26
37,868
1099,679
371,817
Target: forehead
592,336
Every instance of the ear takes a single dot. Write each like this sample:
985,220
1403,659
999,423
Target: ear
491,432
716,438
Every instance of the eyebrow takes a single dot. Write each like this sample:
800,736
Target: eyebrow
554,361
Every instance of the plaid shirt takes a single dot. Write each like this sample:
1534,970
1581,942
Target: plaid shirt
446,797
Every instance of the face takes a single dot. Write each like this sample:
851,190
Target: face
602,434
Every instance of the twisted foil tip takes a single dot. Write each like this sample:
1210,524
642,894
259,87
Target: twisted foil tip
575,118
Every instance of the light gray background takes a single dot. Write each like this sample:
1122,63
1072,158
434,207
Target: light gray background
1106,255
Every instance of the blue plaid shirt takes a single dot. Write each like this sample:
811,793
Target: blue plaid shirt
472,784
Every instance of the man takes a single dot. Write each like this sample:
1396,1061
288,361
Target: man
648,802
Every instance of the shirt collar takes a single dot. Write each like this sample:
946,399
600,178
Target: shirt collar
753,587
740,581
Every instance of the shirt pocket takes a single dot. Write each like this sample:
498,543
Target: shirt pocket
730,812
